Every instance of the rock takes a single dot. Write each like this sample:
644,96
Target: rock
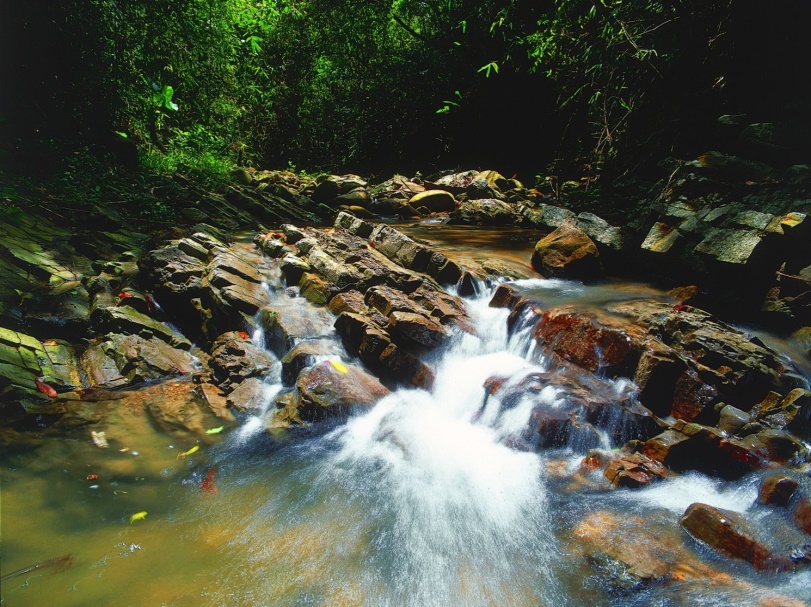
387,300
479,188
581,339
349,301
728,533
546,216
287,325
731,168
485,212
175,279
306,354
127,320
293,269
454,183
416,329
635,470
739,368
567,253
436,201
609,239
776,489
708,450
328,390
357,197
178,408
623,548
732,420
235,359
119,360
249,396
663,239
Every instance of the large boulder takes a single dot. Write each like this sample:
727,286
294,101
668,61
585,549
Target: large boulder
234,358
485,212
567,252
436,201
332,388
729,533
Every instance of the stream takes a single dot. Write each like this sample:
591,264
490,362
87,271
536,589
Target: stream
426,499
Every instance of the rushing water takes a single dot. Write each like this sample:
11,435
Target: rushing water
423,500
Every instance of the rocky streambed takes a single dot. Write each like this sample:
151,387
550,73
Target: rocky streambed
293,329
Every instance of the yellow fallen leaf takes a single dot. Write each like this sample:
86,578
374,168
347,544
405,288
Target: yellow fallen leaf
216,430
138,516
194,449
339,366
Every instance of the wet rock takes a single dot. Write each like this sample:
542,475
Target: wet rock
732,420
401,366
306,354
127,320
416,329
436,201
235,358
623,549
739,368
180,409
581,339
349,301
328,390
117,360
634,471
293,268
777,488
567,253
251,395
729,533
696,447
485,212
174,277
287,325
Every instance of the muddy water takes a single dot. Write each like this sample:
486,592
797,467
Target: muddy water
418,502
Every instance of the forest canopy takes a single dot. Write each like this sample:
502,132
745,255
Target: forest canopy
386,85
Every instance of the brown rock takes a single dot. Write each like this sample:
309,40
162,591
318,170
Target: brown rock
581,339
635,470
728,533
416,329
329,390
567,253
777,489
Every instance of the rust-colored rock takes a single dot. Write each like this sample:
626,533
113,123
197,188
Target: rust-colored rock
777,489
633,471
729,533
580,338
327,390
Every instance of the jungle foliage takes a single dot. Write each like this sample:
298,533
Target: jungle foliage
382,85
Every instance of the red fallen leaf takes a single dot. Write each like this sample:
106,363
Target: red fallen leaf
208,486
92,477
150,303
371,245
244,335
277,235
44,388
124,295
680,307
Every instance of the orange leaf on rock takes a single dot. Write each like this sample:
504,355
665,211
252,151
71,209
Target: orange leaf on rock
45,388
